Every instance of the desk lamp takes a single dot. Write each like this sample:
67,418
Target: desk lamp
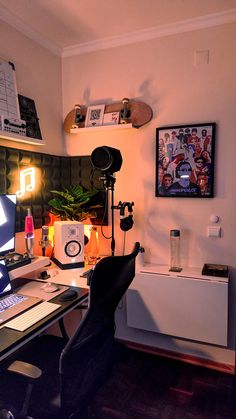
29,233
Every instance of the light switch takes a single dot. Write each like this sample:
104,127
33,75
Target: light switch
201,57
213,231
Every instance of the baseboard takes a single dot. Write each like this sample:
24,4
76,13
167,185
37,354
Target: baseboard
207,363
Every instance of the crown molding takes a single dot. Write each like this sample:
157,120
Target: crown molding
19,25
188,25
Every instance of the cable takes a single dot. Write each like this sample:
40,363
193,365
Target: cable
104,214
124,242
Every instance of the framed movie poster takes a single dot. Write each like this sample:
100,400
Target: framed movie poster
185,160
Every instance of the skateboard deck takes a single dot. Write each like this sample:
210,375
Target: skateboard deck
140,114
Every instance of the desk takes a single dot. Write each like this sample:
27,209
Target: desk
11,340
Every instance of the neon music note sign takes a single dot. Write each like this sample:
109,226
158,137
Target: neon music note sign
27,181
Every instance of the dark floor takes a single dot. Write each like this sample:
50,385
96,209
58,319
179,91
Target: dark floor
147,386
144,386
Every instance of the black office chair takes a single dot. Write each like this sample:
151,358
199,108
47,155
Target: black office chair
86,360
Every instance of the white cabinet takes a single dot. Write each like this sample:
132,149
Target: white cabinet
186,305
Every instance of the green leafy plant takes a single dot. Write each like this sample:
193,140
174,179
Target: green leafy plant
73,203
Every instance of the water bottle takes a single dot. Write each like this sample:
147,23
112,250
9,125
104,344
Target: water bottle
93,250
140,259
175,251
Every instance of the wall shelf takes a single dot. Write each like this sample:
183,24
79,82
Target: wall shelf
20,138
101,128
139,114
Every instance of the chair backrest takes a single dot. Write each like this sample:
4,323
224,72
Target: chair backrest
89,353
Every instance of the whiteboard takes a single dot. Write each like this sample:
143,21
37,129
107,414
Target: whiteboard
9,105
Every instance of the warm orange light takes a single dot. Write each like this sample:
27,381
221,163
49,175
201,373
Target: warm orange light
27,181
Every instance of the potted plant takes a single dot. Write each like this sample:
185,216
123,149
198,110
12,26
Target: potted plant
73,203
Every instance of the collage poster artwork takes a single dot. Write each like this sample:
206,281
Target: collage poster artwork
185,161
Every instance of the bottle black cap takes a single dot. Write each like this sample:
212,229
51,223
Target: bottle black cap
174,233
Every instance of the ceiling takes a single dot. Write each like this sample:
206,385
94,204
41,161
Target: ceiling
64,24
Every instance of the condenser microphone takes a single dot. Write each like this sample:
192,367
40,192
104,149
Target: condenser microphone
45,233
44,242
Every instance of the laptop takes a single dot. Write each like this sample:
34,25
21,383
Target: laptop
23,302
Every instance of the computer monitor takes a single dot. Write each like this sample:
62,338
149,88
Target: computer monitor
7,223
5,283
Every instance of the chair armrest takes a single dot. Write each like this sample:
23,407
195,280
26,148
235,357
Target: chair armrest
25,369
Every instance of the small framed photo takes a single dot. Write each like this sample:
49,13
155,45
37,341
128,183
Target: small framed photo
185,160
94,115
111,118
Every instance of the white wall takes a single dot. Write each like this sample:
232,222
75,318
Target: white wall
162,73
38,76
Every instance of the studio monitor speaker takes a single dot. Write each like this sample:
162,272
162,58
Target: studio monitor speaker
29,115
68,244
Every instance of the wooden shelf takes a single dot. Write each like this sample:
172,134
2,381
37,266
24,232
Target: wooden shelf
20,138
101,128
140,114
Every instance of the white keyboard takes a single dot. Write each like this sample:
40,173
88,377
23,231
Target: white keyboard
32,316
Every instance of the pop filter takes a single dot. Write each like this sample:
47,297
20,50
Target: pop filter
106,159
